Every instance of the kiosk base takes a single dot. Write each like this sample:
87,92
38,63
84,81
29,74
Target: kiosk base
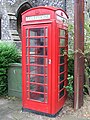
40,113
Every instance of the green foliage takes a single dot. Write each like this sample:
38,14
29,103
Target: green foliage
70,63
8,54
86,55
69,87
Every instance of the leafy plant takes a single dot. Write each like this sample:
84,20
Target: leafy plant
86,55
8,54
69,87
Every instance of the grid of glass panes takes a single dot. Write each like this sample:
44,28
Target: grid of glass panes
36,64
62,64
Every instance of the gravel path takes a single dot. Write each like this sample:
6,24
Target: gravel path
10,109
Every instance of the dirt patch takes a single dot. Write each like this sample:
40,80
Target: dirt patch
83,112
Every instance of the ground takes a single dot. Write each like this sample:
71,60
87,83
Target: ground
11,109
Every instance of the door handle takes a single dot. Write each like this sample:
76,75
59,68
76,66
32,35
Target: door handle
49,61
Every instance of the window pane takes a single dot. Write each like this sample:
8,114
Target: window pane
61,59
62,42
61,68
38,88
62,51
38,97
61,85
37,79
62,32
61,77
37,51
61,94
37,32
37,41
37,69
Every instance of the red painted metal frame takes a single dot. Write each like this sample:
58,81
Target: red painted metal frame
55,87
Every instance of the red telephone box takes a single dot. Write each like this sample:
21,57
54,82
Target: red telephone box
44,59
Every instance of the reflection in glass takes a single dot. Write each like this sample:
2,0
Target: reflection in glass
37,88
37,51
37,41
37,32
32,60
61,94
37,79
61,85
61,68
61,59
62,42
62,77
62,32
38,60
36,69
36,96
62,50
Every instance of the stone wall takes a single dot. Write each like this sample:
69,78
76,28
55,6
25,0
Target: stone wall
9,9
5,35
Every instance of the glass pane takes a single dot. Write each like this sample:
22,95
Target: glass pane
61,59
38,60
26,32
61,77
32,60
61,68
62,32
38,88
27,60
27,51
37,79
62,42
61,94
37,51
37,32
62,51
37,69
61,86
36,96
26,41
27,69
46,31
37,41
